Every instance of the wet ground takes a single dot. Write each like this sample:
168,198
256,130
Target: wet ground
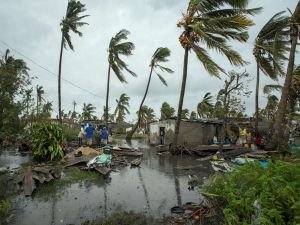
153,189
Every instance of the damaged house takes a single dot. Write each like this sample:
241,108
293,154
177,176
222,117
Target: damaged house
192,132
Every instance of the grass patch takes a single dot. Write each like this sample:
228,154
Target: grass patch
70,176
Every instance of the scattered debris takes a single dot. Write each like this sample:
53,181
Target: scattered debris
136,162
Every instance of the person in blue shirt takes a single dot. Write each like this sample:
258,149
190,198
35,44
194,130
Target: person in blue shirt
105,135
89,134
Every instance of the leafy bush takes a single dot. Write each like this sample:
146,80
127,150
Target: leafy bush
275,191
47,142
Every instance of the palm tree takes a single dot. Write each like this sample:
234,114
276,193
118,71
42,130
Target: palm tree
204,107
47,109
122,108
28,100
269,51
147,115
210,24
39,97
117,48
193,115
166,111
160,55
71,22
87,111
185,114
294,34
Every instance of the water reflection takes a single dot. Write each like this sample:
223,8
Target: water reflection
154,188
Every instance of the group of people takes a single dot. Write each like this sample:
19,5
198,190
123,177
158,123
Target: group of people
88,133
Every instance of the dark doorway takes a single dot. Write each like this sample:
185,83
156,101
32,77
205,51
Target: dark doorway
162,135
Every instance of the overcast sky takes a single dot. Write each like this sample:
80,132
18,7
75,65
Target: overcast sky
32,28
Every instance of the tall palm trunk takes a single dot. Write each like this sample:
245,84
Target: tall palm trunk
130,134
37,101
185,67
256,99
107,95
277,134
59,78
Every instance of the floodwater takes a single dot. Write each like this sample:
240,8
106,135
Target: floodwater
152,189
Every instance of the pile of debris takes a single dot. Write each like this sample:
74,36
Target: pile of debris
36,175
101,160
194,213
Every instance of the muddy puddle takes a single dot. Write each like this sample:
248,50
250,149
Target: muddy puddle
159,184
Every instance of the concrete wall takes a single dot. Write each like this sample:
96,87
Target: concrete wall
193,133
169,126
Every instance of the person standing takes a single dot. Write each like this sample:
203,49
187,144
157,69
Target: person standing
99,138
89,134
80,136
105,135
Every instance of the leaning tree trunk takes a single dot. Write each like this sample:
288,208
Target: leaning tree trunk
59,78
256,99
277,134
130,134
185,65
107,95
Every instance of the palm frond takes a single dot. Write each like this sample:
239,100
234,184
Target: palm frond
161,79
124,48
271,87
118,72
168,70
211,67
161,55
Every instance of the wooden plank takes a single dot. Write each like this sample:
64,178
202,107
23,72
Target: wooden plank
78,160
129,153
136,162
29,185
103,170
42,169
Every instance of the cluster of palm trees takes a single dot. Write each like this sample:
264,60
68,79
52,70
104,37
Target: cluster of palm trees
214,23
207,25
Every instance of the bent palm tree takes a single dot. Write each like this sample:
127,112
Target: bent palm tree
269,51
166,111
211,24
294,33
71,22
205,106
117,48
122,108
159,56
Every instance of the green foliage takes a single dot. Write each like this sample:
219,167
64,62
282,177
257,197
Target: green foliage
70,133
276,189
283,147
125,218
5,205
47,142
14,79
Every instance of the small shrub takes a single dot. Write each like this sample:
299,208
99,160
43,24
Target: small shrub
276,189
47,142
